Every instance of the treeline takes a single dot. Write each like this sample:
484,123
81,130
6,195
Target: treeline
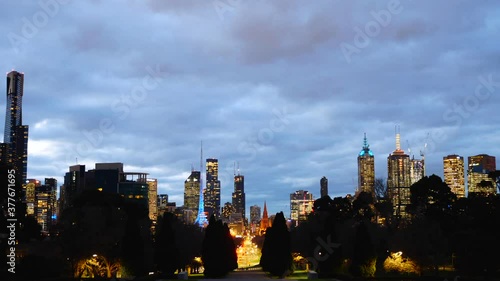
362,237
104,235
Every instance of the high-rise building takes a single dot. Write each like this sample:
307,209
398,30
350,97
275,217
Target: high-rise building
161,203
366,169
227,211
15,133
152,194
239,195
192,196
74,184
212,191
44,204
454,176
54,207
478,180
301,205
399,179
254,214
29,190
323,186
417,170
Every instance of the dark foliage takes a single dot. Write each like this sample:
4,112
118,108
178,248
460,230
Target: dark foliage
218,250
166,251
276,252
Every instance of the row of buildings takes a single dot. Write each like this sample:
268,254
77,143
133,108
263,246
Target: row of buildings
403,171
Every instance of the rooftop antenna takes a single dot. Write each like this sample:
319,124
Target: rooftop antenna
238,168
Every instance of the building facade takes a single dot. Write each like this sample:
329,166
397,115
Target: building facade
192,196
399,180
366,169
478,180
238,197
15,148
301,205
212,190
454,176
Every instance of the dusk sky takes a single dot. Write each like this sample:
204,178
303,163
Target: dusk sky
284,88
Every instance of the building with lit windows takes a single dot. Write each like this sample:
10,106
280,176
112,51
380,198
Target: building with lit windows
212,190
15,148
323,183
29,189
74,184
254,214
162,203
366,169
417,170
301,205
238,198
152,193
478,181
454,176
399,179
192,196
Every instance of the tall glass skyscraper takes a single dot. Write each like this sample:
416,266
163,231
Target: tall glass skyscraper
239,195
478,180
212,191
192,196
15,133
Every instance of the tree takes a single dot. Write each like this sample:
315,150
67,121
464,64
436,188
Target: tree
166,251
364,256
276,252
363,207
218,251
380,188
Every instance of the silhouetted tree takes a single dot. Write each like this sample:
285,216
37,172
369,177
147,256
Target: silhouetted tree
380,188
166,251
218,251
363,206
276,252
364,255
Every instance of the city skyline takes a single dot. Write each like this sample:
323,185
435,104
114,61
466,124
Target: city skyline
268,85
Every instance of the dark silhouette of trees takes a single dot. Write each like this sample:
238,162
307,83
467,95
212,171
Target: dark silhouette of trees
166,251
363,206
380,188
218,250
364,256
276,252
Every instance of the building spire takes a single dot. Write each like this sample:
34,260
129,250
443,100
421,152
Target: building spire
398,138
365,143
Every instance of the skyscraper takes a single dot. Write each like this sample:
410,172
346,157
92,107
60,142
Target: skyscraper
454,177
417,170
323,186
399,179
15,133
301,204
152,194
192,196
212,191
239,195
366,169
254,214
478,181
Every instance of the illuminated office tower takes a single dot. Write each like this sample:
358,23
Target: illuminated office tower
152,195
239,195
212,191
29,189
301,204
454,176
478,180
417,170
323,186
399,179
366,169
15,133
191,196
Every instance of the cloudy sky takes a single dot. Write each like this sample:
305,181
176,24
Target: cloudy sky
284,88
